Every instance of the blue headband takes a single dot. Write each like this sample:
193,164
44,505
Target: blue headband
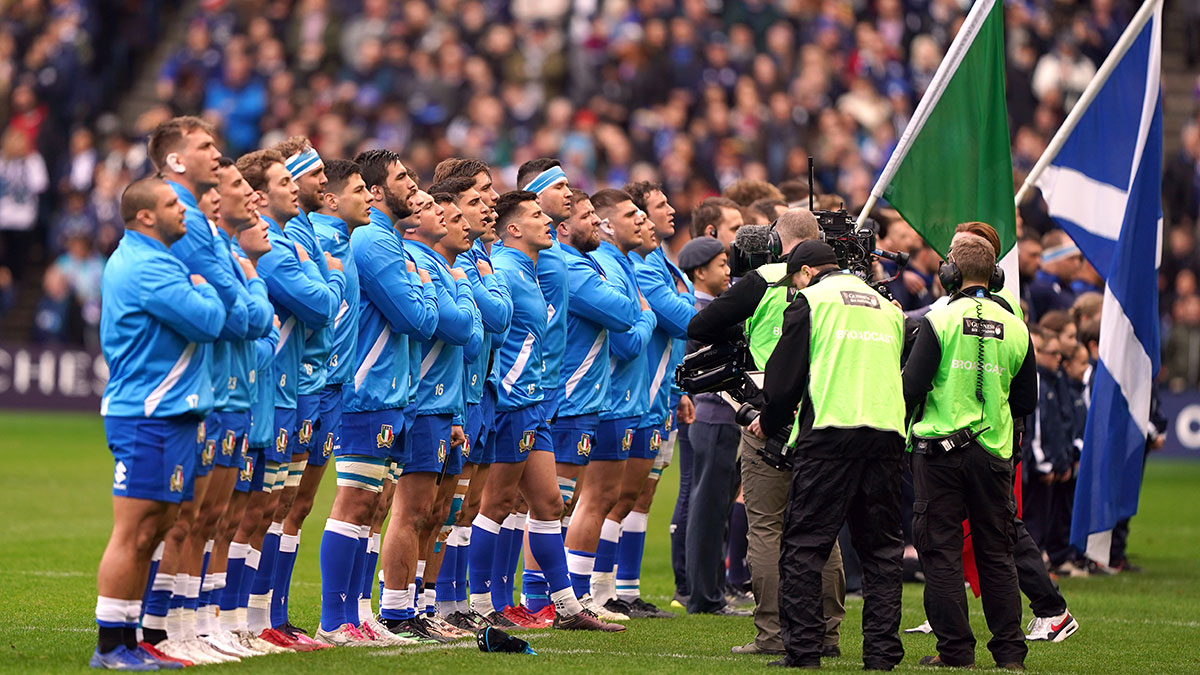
545,179
303,162
1059,252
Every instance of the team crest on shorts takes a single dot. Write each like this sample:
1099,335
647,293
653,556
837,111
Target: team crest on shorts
385,437
327,449
177,479
247,473
627,440
245,443
526,443
200,433
584,446
442,450
655,440
304,433
670,421
209,452
466,448
229,443
281,441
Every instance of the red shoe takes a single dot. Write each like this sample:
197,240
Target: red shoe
545,615
281,639
153,651
521,616
301,637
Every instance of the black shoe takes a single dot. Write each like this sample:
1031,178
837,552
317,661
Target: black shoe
739,599
416,626
618,606
1012,665
831,652
291,631
498,620
728,610
937,662
460,620
785,663
640,609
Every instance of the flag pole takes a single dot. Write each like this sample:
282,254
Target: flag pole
933,93
1085,101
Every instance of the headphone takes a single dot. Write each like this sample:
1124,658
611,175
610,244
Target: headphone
951,277
775,243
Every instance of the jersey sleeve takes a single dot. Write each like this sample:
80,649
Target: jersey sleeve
195,312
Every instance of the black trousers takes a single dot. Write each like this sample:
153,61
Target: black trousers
679,518
715,480
863,491
975,484
1044,597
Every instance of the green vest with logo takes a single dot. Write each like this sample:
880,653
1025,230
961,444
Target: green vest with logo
765,326
961,327
854,356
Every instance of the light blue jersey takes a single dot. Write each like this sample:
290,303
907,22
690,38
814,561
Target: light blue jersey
518,362
394,306
495,304
674,306
628,393
552,279
300,296
456,340
318,336
151,324
597,306
233,356
334,237
262,390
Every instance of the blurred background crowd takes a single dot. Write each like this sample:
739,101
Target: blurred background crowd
695,94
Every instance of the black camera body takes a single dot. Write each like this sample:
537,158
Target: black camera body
776,453
719,368
753,247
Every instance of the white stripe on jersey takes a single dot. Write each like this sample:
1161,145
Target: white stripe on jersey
586,365
431,357
170,380
518,366
656,383
372,356
285,331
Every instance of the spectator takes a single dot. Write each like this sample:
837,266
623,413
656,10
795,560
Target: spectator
8,294
76,218
1051,288
1181,349
1061,75
237,100
82,269
52,316
23,178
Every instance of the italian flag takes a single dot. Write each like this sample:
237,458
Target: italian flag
954,163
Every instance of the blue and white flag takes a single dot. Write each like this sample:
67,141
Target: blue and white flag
1104,188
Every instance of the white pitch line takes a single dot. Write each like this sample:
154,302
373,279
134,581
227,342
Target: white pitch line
48,573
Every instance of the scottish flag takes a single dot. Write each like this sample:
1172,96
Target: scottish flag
1104,189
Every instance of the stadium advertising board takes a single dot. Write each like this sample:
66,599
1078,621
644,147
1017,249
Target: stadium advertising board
51,378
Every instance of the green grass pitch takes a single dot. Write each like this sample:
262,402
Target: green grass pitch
55,518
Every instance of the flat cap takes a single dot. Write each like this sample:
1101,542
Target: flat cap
699,252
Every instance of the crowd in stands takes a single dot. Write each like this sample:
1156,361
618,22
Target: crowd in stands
693,94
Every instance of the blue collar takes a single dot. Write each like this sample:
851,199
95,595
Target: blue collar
144,240
428,250
185,195
332,221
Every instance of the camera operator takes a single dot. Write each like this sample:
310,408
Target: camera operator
765,489
838,360
971,371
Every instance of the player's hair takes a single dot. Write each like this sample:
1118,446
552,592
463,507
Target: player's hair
746,191
1055,320
797,225
709,213
1086,307
167,137
443,197
254,165
794,191
509,205
577,196
768,207
339,171
139,195
606,199
223,162
975,257
460,167
374,165
529,170
1089,332
453,186
292,145
982,230
640,191
1054,238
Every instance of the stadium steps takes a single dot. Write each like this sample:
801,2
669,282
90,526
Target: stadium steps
1178,81
142,95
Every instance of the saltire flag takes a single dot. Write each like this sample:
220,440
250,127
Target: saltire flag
1104,188
953,163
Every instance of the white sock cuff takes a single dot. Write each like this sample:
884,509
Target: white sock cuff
465,537
521,519
180,587
154,622
237,550
421,568
158,551
635,522
487,524
288,543
610,531
163,582
259,601
348,530
208,583
219,581
545,527
510,522
580,563
373,543
253,558
111,610
193,587
364,531
208,545
391,599
133,611
275,528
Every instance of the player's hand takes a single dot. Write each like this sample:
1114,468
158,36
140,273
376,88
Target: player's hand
755,428
483,267
458,274
247,267
642,300
197,280
303,255
334,263
685,412
457,437
275,320
424,277
408,264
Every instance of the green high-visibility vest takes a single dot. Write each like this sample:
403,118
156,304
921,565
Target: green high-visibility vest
961,328
854,356
765,326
